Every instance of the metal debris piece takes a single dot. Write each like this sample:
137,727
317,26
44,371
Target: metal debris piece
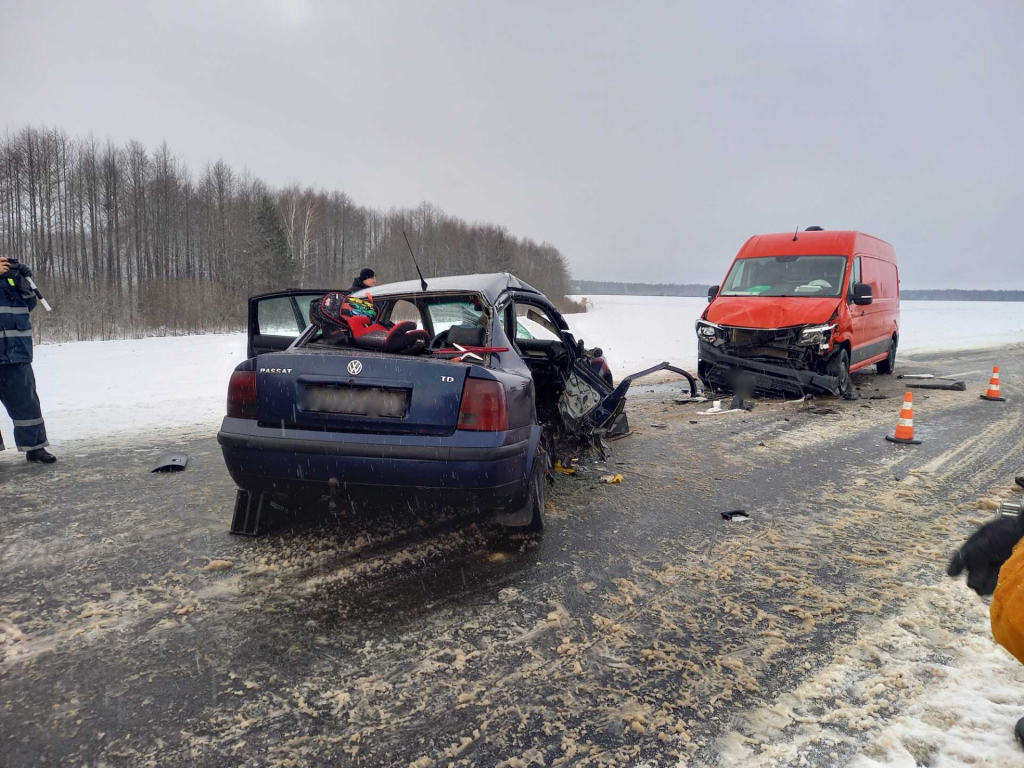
659,425
171,462
916,376
952,386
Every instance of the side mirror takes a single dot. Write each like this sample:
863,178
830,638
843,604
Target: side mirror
712,292
862,294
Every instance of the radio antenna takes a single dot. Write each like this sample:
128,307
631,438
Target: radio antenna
794,234
423,283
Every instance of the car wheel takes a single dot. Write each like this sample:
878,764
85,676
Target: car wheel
536,493
839,366
888,365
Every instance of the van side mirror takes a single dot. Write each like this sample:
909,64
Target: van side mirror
862,294
712,292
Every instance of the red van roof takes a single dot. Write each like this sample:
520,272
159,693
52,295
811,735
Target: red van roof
816,243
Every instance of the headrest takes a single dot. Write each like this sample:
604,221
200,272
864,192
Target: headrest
466,335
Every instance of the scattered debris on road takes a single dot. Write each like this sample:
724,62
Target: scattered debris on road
735,516
951,386
615,479
171,462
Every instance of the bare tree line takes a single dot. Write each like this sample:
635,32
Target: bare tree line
128,242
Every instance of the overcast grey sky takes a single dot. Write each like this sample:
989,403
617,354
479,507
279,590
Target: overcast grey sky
646,140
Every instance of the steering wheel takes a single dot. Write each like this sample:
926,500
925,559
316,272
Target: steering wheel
439,341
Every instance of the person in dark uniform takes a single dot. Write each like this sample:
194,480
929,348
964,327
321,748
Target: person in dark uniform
366,279
17,382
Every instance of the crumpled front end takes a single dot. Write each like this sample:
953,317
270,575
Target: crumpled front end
779,361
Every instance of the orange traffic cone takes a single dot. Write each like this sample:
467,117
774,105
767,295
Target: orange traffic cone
905,425
993,388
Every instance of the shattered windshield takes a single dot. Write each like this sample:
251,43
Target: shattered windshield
786,276
456,311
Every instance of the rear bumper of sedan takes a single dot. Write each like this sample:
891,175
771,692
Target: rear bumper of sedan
485,469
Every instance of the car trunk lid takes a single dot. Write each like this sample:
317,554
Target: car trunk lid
354,391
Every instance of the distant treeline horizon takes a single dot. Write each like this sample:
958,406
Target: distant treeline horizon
613,288
129,241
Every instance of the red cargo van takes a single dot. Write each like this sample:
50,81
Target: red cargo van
798,312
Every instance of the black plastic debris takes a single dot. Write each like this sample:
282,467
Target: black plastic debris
851,396
1019,480
659,425
171,462
879,397
952,386
824,411
735,516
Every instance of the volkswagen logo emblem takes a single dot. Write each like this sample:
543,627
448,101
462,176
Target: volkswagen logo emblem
355,367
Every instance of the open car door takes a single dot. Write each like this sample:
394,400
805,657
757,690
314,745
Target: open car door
277,319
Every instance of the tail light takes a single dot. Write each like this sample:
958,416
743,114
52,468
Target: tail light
242,402
484,408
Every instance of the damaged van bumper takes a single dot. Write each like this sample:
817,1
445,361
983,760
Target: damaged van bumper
723,371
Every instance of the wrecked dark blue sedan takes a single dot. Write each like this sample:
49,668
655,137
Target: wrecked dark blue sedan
469,415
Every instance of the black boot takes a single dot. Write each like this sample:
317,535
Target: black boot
40,456
1018,731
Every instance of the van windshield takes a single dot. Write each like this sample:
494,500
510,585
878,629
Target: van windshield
786,276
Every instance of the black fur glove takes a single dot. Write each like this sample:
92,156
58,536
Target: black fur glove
984,553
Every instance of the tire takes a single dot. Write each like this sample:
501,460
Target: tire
839,366
887,366
535,496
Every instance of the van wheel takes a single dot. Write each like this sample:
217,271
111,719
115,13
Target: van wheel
839,366
887,366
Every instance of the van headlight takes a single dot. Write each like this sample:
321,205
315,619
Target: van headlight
706,331
815,334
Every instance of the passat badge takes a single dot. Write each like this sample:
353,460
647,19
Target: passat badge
355,368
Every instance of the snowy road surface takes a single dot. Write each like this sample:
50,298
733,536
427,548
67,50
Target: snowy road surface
639,629
96,393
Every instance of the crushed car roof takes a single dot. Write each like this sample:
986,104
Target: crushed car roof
490,285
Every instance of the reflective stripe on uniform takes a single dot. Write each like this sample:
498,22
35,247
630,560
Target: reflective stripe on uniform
27,448
15,334
13,310
28,422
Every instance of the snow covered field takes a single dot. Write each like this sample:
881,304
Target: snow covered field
98,392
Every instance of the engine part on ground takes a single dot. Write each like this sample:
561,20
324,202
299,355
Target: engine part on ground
171,462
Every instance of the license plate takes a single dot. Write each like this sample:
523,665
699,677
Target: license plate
357,401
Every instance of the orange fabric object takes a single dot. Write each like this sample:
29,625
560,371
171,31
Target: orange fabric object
1007,609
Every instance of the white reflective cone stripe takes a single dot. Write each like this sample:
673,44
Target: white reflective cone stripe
995,377
28,422
906,422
